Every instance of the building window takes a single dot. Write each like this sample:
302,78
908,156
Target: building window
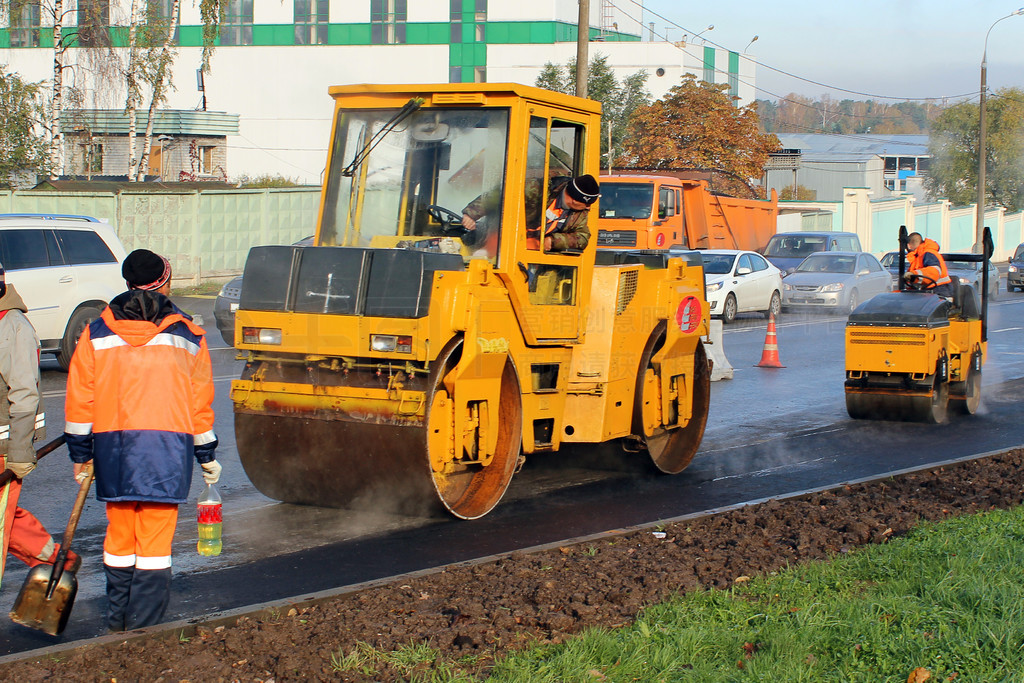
206,160
387,21
311,22
93,23
158,14
24,23
236,24
93,153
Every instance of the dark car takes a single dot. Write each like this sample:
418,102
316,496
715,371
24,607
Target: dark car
227,302
966,273
786,250
1015,276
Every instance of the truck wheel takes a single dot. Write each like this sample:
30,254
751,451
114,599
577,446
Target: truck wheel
729,309
80,319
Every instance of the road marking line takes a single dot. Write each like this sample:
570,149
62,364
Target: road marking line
1008,329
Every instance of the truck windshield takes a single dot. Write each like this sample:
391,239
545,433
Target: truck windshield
443,157
626,200
794,245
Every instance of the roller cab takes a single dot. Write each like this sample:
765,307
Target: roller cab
411,359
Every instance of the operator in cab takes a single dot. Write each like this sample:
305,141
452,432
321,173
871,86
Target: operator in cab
925,263
565,219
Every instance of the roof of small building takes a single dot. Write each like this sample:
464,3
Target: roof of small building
858,147
116,186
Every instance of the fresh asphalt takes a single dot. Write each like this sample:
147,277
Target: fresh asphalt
770,432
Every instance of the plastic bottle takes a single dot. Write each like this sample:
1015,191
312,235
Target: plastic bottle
210,519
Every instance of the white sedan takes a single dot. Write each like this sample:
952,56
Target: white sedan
739,281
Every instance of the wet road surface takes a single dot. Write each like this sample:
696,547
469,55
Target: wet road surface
770,432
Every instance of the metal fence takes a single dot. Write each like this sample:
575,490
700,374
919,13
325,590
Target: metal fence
206,235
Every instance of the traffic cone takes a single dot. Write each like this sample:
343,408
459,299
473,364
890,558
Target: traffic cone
770,355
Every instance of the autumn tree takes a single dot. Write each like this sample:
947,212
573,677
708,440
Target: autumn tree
798,114
953,144
697,125
619,99
22,149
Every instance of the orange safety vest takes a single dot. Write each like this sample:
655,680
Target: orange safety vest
938,274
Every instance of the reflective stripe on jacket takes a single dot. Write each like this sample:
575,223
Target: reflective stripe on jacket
926,260
139,402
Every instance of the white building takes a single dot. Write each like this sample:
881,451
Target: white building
276,58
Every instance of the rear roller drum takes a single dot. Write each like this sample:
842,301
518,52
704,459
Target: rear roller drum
672,450
470,490
930,407
971,392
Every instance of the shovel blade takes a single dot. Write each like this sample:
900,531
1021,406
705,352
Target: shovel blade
35,610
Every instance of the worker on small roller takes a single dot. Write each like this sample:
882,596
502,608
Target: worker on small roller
925,263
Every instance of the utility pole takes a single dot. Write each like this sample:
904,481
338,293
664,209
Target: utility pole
582,38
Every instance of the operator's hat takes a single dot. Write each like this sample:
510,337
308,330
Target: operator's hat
584,189
143,269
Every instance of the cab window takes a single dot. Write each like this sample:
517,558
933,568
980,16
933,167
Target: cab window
666,202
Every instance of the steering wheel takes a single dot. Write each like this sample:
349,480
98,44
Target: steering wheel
918,283
451,222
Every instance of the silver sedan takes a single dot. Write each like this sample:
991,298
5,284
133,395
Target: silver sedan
835,280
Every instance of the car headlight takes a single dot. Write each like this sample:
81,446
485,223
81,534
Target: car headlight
964,281
834,287
1013,269
786,288
714,287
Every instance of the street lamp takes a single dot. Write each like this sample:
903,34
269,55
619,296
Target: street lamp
710,26
752,41
980,225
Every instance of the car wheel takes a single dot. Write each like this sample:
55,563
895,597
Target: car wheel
1009,287
774,306
228,337
729,309
853,300
80,319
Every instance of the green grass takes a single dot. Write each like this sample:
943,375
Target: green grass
206,288
949,598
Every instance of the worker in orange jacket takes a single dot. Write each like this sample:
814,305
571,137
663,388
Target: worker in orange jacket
22,421
925,260
139,405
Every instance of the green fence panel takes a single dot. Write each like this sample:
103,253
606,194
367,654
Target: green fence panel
203,234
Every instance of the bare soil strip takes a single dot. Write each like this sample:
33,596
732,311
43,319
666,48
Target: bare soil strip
486,609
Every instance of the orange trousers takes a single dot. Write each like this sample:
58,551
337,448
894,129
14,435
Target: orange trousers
139,534
24,536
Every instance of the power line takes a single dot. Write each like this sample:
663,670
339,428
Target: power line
787,73
756,87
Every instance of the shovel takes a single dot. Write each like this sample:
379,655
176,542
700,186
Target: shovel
48,594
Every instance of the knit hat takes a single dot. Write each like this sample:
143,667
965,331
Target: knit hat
145,270
584,189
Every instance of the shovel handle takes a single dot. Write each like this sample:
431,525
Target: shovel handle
7,475
69,532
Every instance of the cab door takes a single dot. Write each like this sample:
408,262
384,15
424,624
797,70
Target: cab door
548,289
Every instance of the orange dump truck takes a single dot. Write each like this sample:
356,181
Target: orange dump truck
658,212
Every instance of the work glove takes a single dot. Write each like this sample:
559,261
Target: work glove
211,471
81,471
21,469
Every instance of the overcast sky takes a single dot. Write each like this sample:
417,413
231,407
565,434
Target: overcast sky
899,48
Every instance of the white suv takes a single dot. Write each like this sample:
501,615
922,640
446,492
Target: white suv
66,268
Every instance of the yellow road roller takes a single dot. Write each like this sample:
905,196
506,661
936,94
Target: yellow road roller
405,362
911,354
